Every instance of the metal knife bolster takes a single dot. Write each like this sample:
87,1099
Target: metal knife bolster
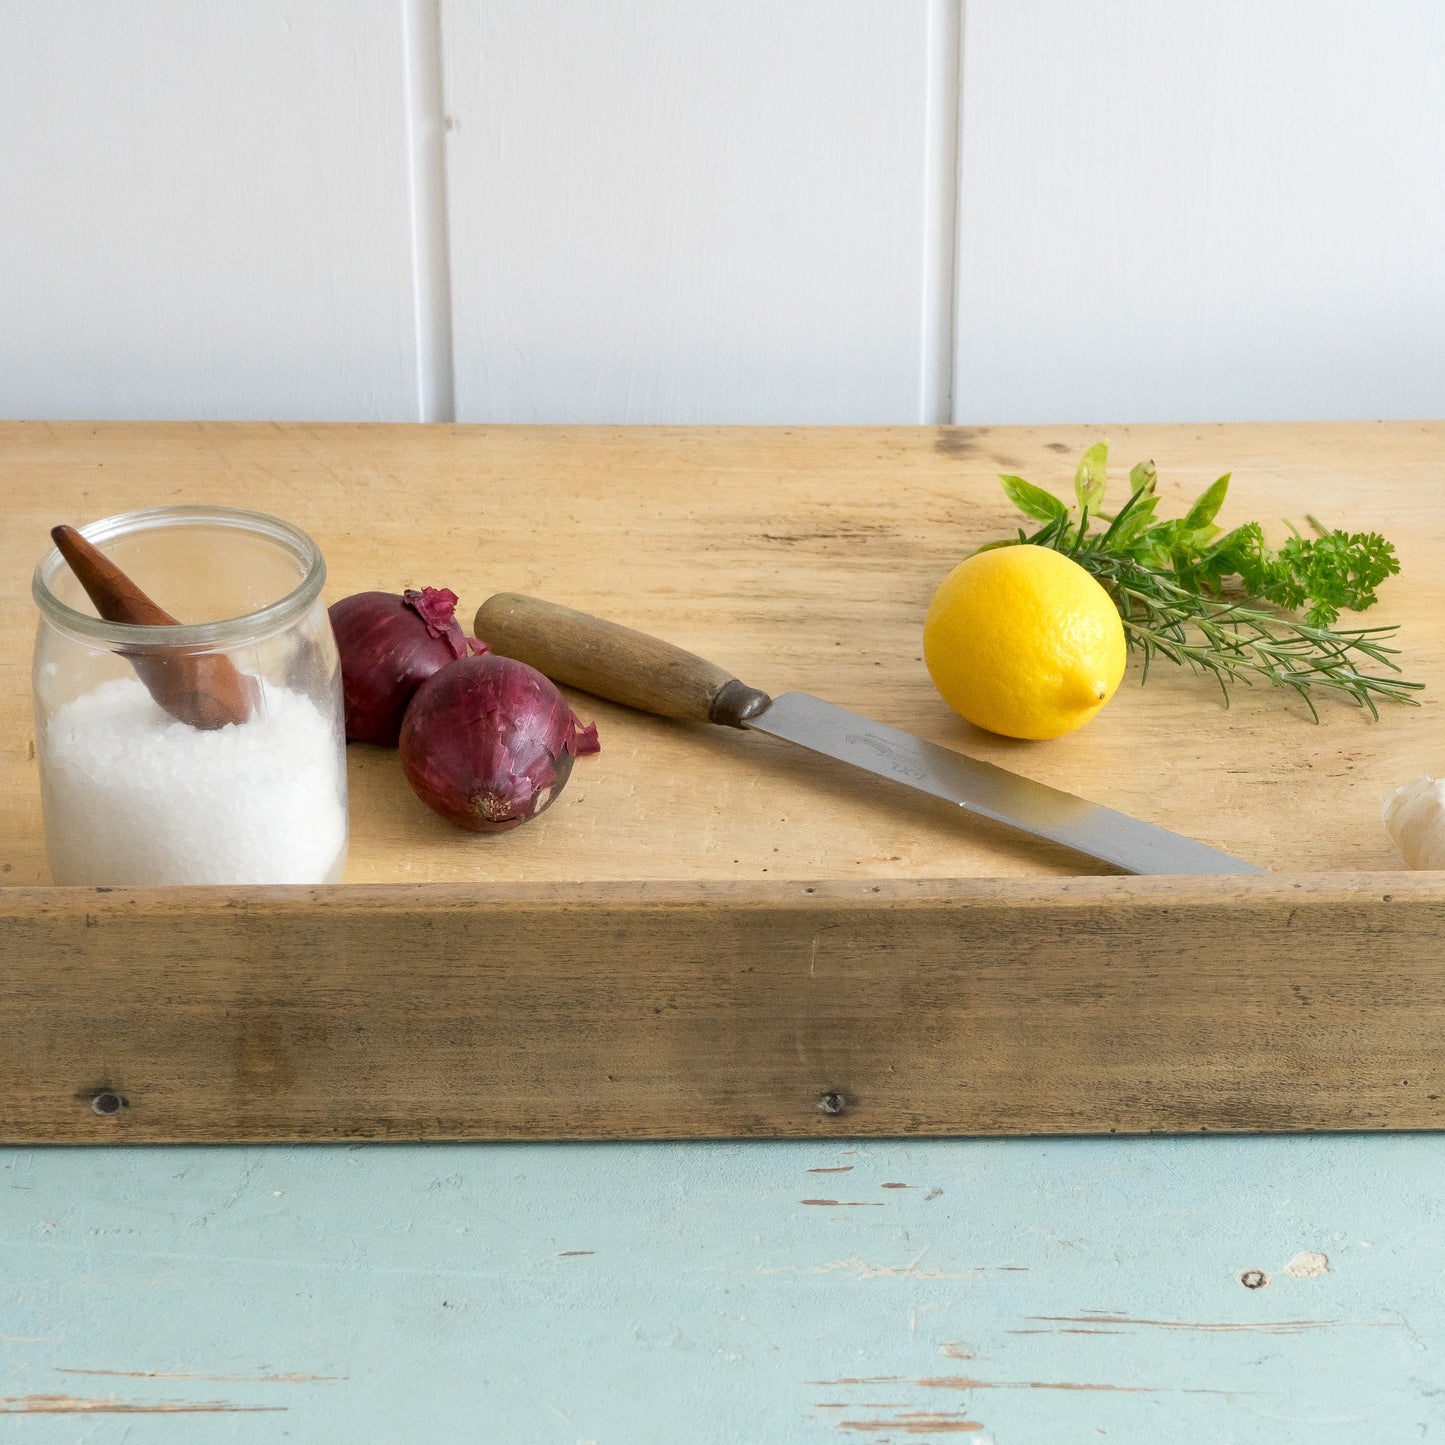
990,791
736,704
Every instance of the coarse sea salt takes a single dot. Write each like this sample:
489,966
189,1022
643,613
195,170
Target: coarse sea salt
133,797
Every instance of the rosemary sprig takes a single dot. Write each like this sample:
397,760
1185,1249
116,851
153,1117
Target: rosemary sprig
1169,578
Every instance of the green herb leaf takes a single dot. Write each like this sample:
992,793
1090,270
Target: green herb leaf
1172,583
1136,518
1203,512
1089,479
1338,570
1143,477
1033,501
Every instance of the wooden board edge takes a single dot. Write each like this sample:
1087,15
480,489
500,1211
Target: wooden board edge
950,1007
1080,891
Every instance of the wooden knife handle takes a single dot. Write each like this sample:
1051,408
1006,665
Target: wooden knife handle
615,662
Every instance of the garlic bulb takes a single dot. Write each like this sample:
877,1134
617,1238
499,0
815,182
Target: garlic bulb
1415,819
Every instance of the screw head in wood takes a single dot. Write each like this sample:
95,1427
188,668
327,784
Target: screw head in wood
108,1102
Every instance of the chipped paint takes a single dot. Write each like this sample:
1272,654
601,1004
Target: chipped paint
1271,1327
1308,1264
573,1253
214,1379
846,1203
862,1269
710,1269
915,1422
963,1382
835,1169
109,1405
1069,1332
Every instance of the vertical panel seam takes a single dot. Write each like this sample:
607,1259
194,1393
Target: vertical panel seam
427,125
940,210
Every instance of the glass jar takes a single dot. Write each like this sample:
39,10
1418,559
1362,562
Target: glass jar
134,796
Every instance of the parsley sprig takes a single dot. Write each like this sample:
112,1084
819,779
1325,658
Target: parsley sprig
1220,603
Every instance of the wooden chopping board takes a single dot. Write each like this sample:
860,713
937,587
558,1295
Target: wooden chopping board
800,558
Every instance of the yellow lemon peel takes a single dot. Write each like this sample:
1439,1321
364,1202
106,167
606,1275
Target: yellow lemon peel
1024,642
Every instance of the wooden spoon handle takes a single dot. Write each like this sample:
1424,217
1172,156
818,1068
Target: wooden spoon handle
202,689
614,662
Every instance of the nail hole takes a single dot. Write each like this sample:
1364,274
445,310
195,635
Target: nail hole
832,1102
109,1102
1254,1279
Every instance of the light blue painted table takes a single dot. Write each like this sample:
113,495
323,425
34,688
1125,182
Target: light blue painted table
1020,1292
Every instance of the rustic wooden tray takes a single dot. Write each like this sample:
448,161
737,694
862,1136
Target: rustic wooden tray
712,933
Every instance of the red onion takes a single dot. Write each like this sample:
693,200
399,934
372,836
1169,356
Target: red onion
489,742
389,646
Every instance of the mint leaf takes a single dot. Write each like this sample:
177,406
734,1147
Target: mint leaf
1089,479
1136,517
1033,501
1143,476
1203,512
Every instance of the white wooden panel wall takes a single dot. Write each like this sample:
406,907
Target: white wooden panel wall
689,212
1232,210
205,210
722,210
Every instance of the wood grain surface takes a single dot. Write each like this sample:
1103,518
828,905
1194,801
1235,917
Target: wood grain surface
708,934
796,559
690,1010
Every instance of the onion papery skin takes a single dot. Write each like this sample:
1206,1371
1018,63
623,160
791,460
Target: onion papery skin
488,743
389,645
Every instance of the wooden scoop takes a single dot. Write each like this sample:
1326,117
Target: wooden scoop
204,690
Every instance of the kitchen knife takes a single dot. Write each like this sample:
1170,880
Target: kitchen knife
629,667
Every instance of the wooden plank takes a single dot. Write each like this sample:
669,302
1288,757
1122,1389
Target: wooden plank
1149,1289
732,932
695,213
799,558
833,1009
1225,211
207,211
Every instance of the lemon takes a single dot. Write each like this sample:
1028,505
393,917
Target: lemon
1024,642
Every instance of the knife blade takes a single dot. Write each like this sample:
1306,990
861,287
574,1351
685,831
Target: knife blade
630,667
